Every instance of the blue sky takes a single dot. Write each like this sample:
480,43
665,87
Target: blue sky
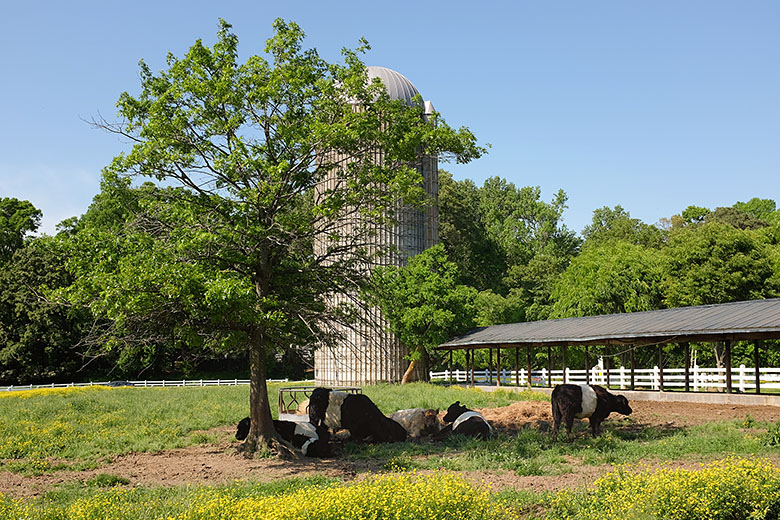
651,105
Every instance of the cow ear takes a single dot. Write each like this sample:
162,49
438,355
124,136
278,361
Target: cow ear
457,403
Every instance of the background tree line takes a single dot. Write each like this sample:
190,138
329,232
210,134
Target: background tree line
505,256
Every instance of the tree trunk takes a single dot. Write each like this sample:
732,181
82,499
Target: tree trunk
718,347
409,372
261,431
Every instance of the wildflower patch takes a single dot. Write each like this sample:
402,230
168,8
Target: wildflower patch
733,488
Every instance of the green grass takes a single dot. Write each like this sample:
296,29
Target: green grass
390,398
82,425
48,430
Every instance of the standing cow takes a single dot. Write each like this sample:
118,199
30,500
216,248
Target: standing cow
353,412
570,401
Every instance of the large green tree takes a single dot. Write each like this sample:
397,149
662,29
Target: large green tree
18,218
716,263
39,341
614,277
506,240
241,152
424,303
617,224
480,260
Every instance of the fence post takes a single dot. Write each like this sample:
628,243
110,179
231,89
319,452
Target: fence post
696,377
622,377
545,380
656,376
742,378
567,375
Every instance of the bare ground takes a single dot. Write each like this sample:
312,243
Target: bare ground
219,463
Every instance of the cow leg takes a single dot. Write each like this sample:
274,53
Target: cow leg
568,417
556,420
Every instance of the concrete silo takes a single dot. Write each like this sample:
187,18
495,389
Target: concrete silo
368,353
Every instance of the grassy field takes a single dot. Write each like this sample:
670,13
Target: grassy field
75,428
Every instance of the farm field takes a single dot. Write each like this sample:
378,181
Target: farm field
65,443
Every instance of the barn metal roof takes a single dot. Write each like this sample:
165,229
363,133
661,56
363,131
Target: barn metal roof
755,319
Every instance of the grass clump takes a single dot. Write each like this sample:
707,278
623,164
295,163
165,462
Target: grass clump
730,489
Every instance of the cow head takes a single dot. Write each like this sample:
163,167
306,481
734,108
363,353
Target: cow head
622,405
243,429
431,423
454,411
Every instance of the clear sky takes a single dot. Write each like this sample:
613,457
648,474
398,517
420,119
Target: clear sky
651,105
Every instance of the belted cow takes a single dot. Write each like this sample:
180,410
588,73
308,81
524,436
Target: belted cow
466,422
310,440
592,401
354,412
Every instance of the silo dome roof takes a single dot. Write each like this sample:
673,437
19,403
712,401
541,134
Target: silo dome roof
396,84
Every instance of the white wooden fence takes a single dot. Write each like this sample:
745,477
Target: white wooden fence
701,379
144,383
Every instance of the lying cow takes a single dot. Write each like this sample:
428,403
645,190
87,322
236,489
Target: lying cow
353,412
466,422
418,422
308,439
570,401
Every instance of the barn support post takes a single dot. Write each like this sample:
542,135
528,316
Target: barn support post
528,362
549,367
757,363
471,355
633,365
660,367
687,347
450,367
727,362
563,355
498,366
468,366
517,366
490,367
587,365
607,363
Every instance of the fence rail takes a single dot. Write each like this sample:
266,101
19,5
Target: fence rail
144,383
701,379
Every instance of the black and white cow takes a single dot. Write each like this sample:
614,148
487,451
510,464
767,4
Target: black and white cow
418,422
354,412
304,436
466,422
570,401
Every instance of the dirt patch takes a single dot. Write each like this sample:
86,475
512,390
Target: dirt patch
218,464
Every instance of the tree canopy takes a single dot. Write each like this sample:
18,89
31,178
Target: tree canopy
17,219
221,250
